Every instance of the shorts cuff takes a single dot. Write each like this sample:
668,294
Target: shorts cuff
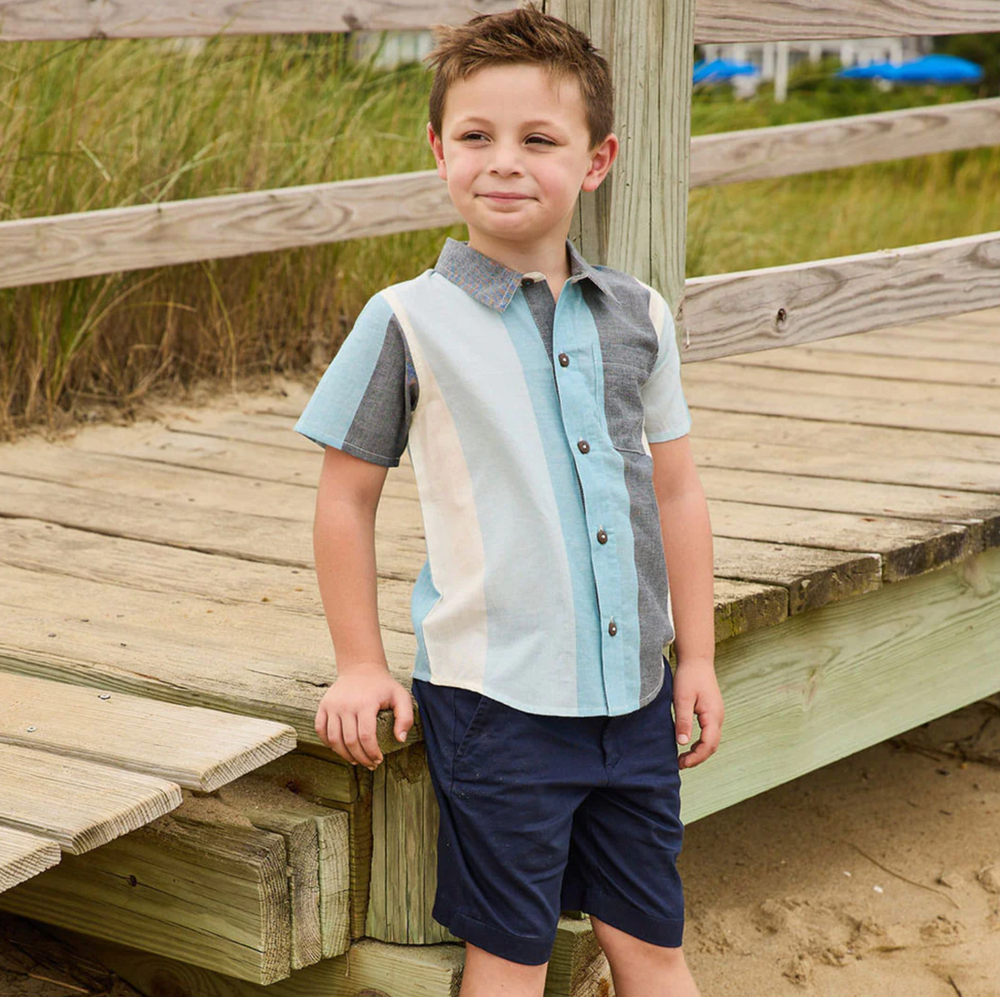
525,949
624,916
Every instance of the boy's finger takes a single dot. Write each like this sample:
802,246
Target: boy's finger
367,726
402,709
684,723
352,741
335,738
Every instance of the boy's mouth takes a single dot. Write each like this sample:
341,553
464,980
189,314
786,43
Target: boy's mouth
499,195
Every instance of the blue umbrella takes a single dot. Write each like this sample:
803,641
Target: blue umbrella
936,68
720,69
883,69
939,68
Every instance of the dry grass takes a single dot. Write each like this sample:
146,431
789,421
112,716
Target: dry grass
100,124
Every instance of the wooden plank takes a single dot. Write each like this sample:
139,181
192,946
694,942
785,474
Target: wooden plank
368,968
792,20
262,537
715,20
60,247
702,392
939,470
133,641
907,546
405,828
747,310
154,567
216,896
23,855
896,342
318,846
798,429
812,576
831,682
872,366
84,804
34,20
205,749
836,143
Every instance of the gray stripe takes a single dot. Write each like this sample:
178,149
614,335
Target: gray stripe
381,426
629,347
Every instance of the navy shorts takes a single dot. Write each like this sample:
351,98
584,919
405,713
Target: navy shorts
541,814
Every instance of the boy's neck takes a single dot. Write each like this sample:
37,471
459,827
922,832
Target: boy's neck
548,255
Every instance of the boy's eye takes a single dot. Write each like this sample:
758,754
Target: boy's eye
472,135
541,138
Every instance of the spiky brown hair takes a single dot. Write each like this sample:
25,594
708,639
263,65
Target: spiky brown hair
523,35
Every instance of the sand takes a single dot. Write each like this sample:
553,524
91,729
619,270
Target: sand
876,875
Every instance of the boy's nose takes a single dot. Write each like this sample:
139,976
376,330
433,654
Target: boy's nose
505,161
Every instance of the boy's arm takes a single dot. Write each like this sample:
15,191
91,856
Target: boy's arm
687,548
344,546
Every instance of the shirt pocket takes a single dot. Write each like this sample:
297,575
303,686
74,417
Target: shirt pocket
625,369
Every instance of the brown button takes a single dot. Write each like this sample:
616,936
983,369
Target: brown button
612,628
527,281
602,537
583,446
563,359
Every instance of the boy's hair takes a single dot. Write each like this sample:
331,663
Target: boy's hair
523,35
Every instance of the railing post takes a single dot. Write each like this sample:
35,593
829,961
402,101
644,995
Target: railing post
637,219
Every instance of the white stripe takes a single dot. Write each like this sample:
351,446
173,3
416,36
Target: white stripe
454,632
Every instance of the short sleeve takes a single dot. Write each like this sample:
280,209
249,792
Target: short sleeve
364,401
666,412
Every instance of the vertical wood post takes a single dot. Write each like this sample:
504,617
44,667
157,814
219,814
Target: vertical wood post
637,219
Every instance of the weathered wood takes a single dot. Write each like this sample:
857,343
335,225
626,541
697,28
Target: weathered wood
405,819
168,650
157,567
749,310
317,779
255,536
881,444
318,846
191,746
33,20
874,366
85,805
794,20
59,247
213,896
716,21
896,341
836,143
174,232
835,680
367,968
23,855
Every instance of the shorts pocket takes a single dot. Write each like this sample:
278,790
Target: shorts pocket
470,714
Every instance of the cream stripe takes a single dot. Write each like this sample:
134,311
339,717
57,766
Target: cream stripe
455,634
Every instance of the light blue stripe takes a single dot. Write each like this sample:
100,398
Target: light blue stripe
607,502
562,473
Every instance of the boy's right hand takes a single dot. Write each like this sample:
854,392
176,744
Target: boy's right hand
345,720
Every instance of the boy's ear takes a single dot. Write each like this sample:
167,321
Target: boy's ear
437,147
600,162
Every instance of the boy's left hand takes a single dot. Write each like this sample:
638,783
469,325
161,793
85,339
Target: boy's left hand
696,691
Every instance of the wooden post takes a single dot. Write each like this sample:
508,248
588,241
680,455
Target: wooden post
637,219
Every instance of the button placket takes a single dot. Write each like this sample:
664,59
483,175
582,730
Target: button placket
585,420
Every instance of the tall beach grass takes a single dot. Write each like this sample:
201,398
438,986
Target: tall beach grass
99,124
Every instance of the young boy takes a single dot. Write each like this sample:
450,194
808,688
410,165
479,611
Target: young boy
539,398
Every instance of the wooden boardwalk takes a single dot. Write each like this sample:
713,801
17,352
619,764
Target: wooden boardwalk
854,491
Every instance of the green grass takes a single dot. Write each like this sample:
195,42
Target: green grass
100,124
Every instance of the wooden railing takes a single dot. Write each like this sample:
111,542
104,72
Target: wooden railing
718,315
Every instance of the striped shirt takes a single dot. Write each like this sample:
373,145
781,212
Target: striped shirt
527,422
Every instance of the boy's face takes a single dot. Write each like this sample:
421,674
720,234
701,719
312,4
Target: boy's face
515,151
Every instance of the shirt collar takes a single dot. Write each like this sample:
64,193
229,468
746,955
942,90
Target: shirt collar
494,283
